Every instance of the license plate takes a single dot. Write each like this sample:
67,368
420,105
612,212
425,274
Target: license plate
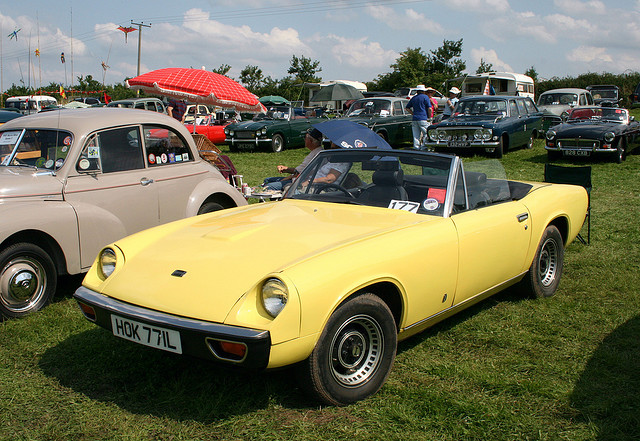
459,144
148,335
576,153
246,146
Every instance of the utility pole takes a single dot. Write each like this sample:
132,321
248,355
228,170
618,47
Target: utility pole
140,25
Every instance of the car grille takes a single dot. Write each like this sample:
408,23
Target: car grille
579,143
245,135
459,134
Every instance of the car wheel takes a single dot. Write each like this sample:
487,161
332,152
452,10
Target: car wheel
209,207
500,149
27,280
354,354
277,143
619,155
529,144
543,276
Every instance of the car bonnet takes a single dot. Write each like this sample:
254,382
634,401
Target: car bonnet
26,182
226,254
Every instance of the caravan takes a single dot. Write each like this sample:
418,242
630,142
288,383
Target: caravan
31,103
495,83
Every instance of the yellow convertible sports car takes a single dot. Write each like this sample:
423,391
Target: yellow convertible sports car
366,248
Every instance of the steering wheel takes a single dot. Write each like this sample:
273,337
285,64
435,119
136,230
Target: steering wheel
323,187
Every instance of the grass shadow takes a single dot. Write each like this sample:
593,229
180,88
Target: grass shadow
607,394
145,381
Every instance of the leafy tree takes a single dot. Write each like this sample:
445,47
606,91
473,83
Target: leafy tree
484,67
252,78
222,70
305,69
415,67
531,72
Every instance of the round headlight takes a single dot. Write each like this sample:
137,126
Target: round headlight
609,136
486,134
551,134
231,132
107,262
433,135
263,131
442,135
274,296
477,135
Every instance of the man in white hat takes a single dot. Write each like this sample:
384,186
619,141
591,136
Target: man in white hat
451,102
422,110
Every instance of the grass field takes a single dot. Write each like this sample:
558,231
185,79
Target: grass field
510,368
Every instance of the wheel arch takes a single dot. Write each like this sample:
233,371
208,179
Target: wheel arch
43,240
388,292
562,224
220,198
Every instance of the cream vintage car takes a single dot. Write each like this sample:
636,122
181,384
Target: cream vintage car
331,277
72,181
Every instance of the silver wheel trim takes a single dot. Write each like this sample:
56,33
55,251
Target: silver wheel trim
22,284
277,143
548,262
356,350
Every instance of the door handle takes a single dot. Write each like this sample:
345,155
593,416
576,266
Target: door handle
146,181
523,217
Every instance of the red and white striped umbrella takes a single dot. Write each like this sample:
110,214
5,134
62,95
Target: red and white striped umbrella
198,86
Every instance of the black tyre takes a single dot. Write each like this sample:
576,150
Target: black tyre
209,207
27,280
500,149
543,277
277,143
529,144
354,354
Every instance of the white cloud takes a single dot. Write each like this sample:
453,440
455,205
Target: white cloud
359,53
410,20
589,54
490,56
492,7
577,7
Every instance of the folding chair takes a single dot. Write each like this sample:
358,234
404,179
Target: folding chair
572,175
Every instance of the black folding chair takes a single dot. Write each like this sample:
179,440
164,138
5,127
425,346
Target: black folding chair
572,175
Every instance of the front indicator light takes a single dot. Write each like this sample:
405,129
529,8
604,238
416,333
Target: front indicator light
88,311
274,296
107,262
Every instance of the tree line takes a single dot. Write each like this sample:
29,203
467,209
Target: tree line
413,66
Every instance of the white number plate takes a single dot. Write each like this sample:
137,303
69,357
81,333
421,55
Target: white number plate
153,336
576,153
458,144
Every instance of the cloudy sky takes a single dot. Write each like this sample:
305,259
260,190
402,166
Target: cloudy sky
352,39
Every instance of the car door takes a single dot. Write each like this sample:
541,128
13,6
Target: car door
110,190
517,123
170,164
493,240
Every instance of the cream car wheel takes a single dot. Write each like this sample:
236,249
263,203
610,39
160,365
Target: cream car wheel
27,280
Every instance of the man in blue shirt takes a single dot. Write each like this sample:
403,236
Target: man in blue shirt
421,108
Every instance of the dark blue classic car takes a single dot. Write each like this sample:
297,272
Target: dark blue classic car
590,131
280,127
491,124
387,116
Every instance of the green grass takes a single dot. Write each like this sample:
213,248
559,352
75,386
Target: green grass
510,368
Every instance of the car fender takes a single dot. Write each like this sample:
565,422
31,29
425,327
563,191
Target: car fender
55,220
216,190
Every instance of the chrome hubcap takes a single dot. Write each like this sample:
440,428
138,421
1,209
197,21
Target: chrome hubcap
356,350
22,284
548,263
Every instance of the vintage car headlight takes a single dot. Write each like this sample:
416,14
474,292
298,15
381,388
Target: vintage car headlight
263,131
274,296
433,135
609,136
442,135
551,134
231,132
477,135
486,134
107,262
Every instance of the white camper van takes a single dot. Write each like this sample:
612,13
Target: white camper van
30,104
498,83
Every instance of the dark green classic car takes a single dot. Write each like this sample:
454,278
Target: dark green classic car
280,127
387,116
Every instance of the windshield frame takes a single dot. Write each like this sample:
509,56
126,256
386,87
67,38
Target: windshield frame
63,145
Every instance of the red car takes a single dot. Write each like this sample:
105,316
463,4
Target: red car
210,127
